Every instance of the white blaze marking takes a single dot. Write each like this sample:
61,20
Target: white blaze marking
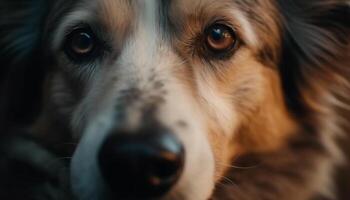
149,12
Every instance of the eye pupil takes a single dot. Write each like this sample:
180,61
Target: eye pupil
82,43
217,34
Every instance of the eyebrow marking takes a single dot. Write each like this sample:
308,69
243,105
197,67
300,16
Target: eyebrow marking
71,20
247,28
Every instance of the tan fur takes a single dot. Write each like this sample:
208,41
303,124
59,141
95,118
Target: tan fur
249,85
240,100
116,17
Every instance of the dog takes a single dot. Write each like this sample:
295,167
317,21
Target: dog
183,100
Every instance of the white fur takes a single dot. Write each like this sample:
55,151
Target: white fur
143,55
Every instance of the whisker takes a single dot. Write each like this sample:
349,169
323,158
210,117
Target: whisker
225,181
239,167
231,182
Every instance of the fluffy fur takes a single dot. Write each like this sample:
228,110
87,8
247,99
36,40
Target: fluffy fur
266,119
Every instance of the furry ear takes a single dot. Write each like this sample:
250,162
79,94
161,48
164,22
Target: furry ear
315,61
21,73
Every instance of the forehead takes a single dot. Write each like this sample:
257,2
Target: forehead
181,8
117,11
255,21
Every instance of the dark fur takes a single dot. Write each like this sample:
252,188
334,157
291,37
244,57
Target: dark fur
315,46
315,50
21,69
29,171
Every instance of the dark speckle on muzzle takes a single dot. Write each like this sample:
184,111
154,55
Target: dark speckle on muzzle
142,164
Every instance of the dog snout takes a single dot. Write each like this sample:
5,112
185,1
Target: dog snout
141,164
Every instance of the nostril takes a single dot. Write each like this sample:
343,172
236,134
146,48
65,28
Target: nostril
143,164
165,168
167,165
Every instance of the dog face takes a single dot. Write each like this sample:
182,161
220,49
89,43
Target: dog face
193,84
194,67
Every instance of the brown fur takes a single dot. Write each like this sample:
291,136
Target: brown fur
312,150
291,154
289,90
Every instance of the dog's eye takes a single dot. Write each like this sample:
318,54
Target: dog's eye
81,45
220,38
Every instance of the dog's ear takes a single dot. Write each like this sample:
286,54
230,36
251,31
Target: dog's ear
21,72
315,61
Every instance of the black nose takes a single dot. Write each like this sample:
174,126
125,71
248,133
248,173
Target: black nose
141,164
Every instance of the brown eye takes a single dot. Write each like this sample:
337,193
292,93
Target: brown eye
220,38
81,45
